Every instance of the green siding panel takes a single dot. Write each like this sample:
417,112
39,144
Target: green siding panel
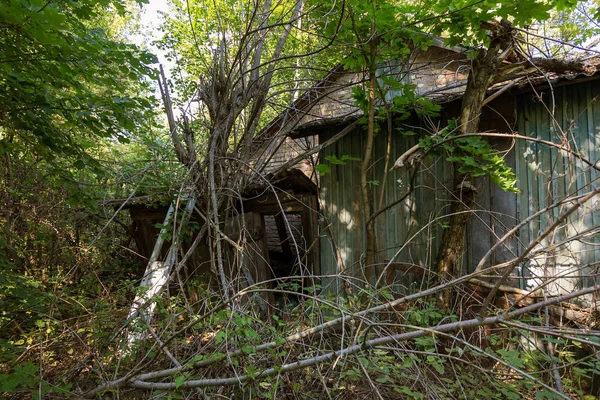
567,259
410,232
407,232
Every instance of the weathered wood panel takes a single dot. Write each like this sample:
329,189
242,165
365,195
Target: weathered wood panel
569,116
408,232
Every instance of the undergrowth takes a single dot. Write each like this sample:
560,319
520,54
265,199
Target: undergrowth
55,358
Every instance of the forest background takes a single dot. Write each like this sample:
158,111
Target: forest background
81,125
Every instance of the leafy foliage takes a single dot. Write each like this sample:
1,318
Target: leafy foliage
65,81
473,155
333,160
73,97
75,129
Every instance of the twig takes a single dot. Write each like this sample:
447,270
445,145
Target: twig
449,327
513,264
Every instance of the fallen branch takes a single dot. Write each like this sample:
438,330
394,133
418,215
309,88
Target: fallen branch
453,326
516,297
140,381
412,152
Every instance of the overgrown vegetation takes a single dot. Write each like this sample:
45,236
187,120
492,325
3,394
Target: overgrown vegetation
81,141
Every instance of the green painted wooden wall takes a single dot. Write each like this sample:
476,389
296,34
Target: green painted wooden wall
410,232
568,115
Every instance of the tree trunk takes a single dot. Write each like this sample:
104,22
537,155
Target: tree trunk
366,192
484,69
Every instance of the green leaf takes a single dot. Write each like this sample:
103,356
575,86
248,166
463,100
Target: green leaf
513,357
179,381
251,370
334,160
250,333
265,385
323,169
79,164
220,337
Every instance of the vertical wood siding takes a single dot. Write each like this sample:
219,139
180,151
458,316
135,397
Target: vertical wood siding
410,232
407,232
568,115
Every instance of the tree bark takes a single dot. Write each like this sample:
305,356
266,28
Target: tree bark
484,69
366,192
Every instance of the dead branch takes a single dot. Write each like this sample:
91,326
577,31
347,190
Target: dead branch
411,153
513,264
137,382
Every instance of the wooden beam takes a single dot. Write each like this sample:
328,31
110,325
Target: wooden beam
283,235
268,202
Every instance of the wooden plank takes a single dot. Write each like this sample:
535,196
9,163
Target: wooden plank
284,238
524,201
595,157
270,199
315,243
562,164
590,217
355,218
328,239
256,251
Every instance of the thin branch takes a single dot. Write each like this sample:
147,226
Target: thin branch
350,350
513,264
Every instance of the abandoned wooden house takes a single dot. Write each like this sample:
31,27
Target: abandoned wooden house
549,133
313,223
279,225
